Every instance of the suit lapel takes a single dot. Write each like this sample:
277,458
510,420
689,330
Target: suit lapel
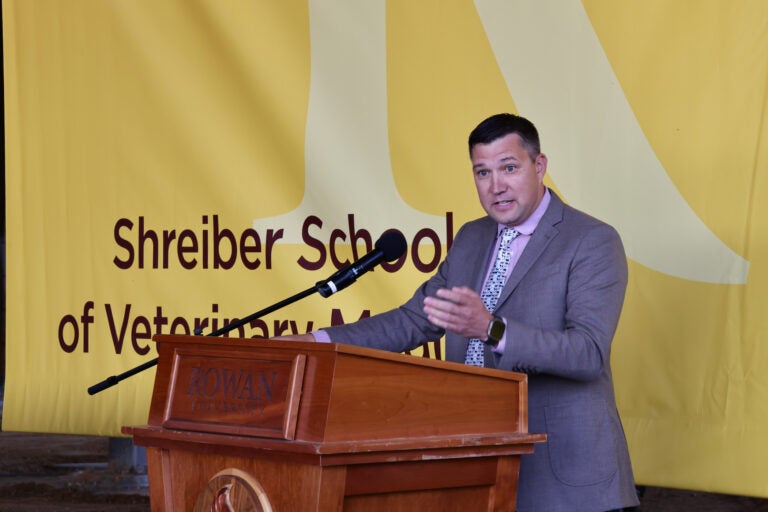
542,236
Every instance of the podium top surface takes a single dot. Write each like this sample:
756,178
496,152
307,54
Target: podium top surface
338,348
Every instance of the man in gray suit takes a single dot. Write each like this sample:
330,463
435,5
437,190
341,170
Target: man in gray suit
553,318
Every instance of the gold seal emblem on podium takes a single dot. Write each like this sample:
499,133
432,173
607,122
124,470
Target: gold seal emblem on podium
232,490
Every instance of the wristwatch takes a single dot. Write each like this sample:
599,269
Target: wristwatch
495,331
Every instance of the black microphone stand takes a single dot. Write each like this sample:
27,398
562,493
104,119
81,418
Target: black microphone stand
115,379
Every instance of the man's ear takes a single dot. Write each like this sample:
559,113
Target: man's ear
541,164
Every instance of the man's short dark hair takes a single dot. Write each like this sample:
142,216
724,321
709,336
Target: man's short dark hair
501,125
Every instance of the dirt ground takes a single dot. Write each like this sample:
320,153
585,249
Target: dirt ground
67,473
63,473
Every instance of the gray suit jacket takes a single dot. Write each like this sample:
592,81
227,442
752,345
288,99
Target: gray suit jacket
561,304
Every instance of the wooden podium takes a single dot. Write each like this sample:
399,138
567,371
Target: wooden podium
255,425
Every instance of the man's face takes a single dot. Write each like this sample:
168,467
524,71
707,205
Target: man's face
509,183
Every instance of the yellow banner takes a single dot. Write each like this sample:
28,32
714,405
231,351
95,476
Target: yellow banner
179,164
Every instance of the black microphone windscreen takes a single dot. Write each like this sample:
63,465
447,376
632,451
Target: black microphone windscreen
392,244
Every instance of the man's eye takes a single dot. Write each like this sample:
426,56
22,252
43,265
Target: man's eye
481,173
510,168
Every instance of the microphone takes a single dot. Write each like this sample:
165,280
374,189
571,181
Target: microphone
390,246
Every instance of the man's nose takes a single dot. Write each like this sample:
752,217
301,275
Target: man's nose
498,184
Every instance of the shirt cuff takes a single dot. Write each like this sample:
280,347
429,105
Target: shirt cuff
321,336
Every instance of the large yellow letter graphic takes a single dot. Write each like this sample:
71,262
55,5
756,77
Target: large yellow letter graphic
348,167
610,169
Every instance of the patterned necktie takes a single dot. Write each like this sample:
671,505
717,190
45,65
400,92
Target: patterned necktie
492,290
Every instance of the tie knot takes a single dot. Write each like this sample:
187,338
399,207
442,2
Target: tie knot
507,235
